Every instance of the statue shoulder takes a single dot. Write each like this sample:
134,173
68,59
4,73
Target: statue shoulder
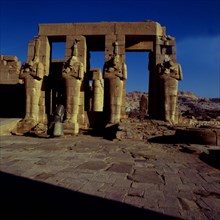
81,65
40,65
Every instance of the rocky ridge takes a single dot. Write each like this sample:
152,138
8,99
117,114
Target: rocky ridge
195,112
190,105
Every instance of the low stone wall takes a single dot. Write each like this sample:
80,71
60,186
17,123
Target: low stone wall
12,94
203,135
9,69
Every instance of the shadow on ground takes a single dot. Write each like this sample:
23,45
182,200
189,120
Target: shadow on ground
12,97
168,139
28,199
108,132
212,159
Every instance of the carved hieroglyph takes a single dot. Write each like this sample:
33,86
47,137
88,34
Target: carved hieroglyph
98,90
72,73
169,73
115,74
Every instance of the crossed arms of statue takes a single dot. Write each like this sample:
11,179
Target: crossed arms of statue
174,71
122,73
36,71
119,72
71,71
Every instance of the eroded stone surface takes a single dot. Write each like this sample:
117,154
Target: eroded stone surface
156,177
82,92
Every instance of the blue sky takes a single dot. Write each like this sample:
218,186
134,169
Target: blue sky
194,23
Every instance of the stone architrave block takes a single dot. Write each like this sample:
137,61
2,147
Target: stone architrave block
142,28
57,29
98,28
106,28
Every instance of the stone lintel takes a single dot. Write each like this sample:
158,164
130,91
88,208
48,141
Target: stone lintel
101,28
138,28
143,45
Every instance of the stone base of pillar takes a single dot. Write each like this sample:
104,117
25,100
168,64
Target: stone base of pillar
71,128
24,126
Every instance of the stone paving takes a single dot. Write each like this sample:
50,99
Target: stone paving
156,177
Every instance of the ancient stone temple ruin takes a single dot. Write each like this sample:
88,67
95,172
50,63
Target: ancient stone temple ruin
95,97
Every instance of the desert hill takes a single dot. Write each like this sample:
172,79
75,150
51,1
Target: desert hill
189,104
196,112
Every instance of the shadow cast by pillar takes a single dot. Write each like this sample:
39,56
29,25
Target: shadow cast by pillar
168,139
212,158
28,199
108,132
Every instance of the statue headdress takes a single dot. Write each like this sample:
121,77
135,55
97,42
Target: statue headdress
75,49
36,47
116,48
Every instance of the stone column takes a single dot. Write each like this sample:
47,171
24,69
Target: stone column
98,90
109,49
153,86
33,73
114,46
79,91
121,51
44,55
168,74
156,100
